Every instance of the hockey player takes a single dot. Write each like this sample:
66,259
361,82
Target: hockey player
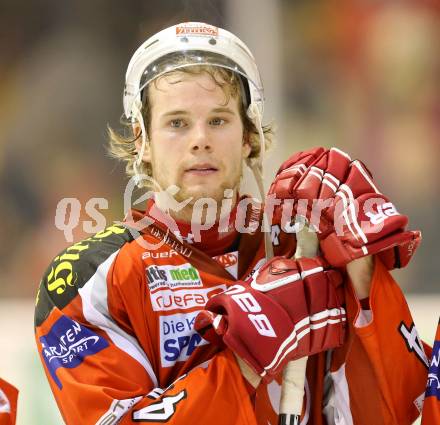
116,313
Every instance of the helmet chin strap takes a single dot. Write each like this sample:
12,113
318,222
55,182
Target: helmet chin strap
139,118
256,165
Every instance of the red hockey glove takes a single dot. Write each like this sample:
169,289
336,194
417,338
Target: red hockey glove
338,196
287,310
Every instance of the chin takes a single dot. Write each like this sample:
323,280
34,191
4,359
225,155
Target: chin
201,191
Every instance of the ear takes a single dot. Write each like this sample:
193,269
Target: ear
246,147
138,143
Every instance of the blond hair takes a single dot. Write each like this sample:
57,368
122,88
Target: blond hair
122,144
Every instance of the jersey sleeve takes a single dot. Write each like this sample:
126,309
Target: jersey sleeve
96,367
380,374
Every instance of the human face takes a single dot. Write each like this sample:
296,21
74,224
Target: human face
196,137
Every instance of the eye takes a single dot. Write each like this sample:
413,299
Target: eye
217,121
177,123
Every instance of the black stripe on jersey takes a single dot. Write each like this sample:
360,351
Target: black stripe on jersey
74,266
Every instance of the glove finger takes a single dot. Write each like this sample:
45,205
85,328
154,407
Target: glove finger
359,181
305,158
322,180
211,326
335,171
204,321
309,186
330,170
291,172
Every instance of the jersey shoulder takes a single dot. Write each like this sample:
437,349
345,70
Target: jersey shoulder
74,266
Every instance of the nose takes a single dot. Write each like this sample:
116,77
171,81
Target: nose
200,139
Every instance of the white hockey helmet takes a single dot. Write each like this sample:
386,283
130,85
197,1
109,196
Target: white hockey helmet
195,43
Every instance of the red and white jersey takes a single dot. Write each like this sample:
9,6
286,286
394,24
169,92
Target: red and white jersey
115,332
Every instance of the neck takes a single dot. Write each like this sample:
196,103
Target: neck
204,212
200,228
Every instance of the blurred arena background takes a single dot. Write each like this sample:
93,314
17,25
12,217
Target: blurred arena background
361,75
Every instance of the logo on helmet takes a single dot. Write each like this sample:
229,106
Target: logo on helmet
196,29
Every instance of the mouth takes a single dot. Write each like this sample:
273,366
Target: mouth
201,169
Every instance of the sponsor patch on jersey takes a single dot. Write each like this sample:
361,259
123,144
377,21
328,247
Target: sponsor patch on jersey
67,345
229,262
178,339
173,277
184,299
159,254
74,266
433,386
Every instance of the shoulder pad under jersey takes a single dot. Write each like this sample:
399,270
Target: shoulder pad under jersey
73,267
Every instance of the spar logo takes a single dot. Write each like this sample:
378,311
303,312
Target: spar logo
67,344
182,276
166,299
178,339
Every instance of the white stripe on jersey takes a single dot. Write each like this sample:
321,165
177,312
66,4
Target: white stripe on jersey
95,310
